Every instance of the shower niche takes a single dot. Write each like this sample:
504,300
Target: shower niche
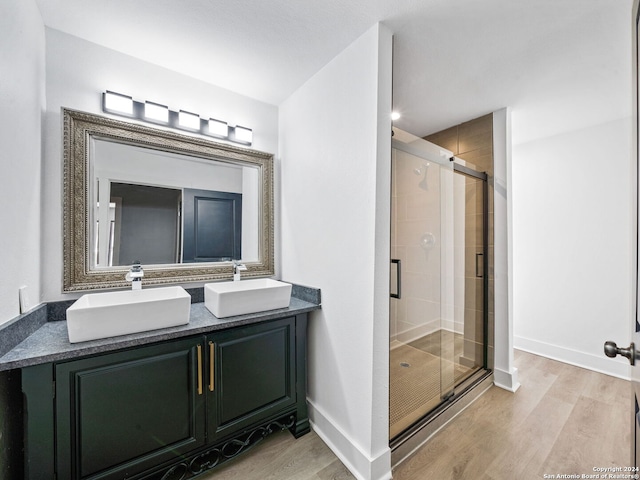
440,328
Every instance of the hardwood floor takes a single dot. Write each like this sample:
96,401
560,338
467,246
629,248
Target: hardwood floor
562,420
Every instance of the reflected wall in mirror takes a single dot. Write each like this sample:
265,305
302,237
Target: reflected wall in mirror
184,206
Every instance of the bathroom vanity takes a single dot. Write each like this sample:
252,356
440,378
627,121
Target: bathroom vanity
165,404
155,402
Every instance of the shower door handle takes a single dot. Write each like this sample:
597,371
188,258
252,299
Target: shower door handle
479,265
397,295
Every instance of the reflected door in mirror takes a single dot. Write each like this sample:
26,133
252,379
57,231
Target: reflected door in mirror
212,226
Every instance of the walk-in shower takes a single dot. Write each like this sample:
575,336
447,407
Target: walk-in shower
439,283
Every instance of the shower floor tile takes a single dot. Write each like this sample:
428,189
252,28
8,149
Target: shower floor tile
420,375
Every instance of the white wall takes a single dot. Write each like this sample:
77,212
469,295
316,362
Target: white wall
22,98
505,374
77,73
335,149
572,239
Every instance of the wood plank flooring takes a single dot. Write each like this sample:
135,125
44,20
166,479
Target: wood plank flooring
282,457
562,420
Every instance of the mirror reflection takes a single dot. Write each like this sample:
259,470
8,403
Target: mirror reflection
183,206
163,208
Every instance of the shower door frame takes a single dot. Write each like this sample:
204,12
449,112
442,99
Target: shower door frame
482,176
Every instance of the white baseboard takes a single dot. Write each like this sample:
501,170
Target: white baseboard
361,465
506,380
616,367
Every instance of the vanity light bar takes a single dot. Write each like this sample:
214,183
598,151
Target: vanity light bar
126,106
243,134
218,128
156,112
117,103
188,120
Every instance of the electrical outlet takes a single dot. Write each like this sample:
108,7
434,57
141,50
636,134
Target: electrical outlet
23,296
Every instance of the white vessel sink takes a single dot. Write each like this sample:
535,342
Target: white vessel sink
103,315
226,299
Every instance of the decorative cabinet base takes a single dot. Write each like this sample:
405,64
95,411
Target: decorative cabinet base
210,458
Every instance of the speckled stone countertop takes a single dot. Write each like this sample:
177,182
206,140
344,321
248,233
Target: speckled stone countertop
48,340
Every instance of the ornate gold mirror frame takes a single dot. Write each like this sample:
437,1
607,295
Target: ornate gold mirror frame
79,130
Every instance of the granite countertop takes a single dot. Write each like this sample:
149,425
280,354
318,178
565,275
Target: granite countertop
49,342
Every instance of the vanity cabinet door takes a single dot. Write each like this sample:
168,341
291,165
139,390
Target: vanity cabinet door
254,372
119,414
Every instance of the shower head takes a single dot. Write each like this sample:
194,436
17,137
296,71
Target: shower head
422,169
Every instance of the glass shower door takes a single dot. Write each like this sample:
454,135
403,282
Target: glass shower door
438,287
418,239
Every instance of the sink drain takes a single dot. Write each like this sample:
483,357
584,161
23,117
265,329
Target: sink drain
405,364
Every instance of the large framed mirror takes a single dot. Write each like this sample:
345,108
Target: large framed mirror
184,206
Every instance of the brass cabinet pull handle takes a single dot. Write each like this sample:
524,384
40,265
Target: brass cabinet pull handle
199,347
212,351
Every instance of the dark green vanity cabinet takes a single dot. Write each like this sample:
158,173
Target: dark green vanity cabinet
166,410
122,413
254,373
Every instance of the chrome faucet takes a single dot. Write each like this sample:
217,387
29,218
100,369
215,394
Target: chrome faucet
237,268
134,275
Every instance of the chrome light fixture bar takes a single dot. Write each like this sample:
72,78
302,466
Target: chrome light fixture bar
243,135
188,120
218,128
117,103
126,106
156,112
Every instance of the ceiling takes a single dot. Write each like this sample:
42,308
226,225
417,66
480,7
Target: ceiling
560,65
